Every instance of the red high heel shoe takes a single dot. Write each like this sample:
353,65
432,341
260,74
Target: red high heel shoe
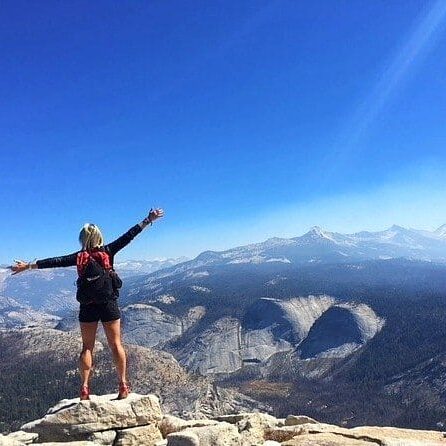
85,393
124,390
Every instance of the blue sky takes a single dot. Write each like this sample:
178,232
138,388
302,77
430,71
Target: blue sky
244,120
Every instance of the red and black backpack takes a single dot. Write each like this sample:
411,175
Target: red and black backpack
97,281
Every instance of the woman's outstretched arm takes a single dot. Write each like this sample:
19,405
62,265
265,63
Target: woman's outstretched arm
70,259
126,238
52,262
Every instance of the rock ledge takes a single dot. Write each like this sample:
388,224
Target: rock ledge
138,420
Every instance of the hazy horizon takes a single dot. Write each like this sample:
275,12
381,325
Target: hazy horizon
124,258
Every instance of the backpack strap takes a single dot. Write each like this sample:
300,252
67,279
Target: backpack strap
81,261
100,256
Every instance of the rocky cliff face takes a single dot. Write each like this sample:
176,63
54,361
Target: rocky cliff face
139,420
315,326
149,326
40,366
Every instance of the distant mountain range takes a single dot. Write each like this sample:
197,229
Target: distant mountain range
279,255
53,291
136,267
319,245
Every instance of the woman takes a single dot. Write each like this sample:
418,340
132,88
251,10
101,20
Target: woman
92,311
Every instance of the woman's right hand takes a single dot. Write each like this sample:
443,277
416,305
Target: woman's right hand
19,266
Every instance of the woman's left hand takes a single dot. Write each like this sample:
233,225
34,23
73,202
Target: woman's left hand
154,214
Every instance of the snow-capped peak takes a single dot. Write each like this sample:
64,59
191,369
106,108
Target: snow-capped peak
318,232
441,231
397,228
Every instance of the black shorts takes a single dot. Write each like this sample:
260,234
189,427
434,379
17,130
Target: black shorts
106,312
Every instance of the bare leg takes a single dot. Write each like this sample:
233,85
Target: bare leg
113,332
88,333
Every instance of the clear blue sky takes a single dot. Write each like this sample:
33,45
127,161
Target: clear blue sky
244,120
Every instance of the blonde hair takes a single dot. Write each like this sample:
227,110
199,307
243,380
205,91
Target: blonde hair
90,237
